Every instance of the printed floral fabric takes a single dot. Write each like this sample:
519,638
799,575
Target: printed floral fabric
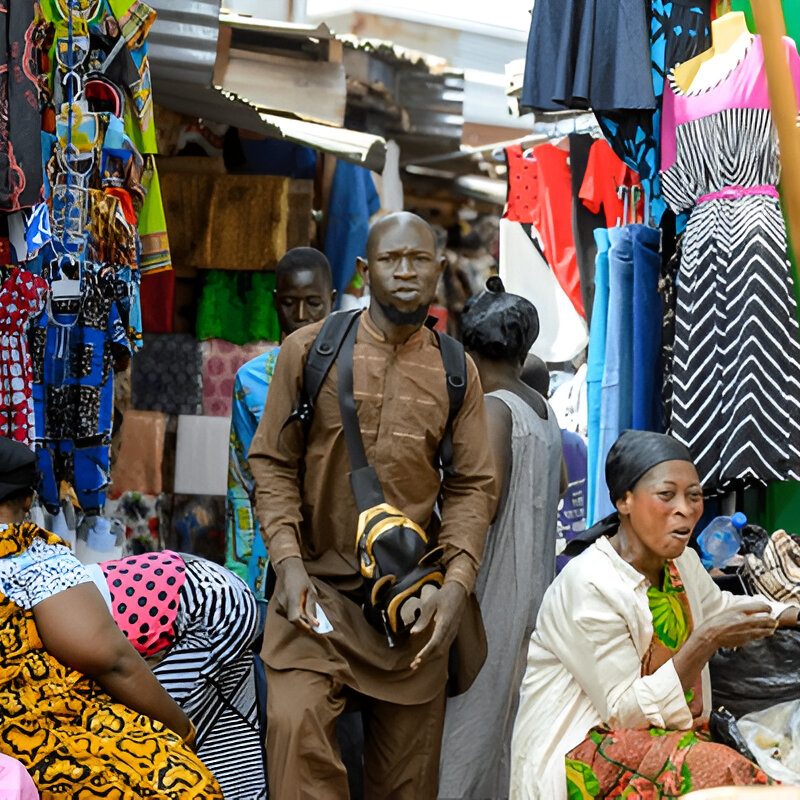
21,298
655,764
70,736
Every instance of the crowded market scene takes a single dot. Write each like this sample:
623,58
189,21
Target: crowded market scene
400,401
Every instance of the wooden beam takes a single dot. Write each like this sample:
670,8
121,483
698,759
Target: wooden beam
768,15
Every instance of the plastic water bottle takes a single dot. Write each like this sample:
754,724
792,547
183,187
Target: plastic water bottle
721,540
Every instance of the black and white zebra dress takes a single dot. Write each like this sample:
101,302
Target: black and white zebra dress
736,369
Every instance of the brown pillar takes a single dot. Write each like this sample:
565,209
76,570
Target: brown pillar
771,26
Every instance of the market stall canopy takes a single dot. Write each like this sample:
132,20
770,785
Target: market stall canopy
193,47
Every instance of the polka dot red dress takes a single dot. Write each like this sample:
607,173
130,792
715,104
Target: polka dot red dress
21,298
144,598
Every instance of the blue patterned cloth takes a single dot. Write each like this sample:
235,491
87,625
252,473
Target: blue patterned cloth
245,553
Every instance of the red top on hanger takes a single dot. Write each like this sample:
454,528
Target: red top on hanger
605,173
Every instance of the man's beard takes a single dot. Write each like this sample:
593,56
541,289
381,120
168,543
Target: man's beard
404,318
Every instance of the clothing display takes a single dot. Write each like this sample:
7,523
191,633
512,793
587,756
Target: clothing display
588,54
353,201
221,362
576,681
201,621
166,375
238,307
596,360
515,571
245,552
736,368
20,120
201,465
71,737
21,299
562,331
647,316
616,405
605,175
573,507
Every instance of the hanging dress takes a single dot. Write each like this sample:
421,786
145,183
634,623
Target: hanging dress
736,368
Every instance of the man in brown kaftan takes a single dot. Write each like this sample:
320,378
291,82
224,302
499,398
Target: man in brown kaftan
309,518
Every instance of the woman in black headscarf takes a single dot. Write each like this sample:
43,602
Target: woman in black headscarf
616,694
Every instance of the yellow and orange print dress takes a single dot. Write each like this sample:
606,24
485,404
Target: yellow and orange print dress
73,739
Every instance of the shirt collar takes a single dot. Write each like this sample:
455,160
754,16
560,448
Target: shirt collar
629,573
369,326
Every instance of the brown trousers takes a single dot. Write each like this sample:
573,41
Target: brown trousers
401,747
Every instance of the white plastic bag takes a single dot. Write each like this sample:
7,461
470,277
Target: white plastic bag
774,737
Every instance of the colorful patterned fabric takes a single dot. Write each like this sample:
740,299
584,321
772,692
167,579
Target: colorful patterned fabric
245,552
21,298
655,763
144,598
71,737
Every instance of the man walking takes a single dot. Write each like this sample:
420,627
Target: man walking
303,295
319,649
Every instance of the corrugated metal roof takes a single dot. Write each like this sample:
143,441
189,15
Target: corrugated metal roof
182,43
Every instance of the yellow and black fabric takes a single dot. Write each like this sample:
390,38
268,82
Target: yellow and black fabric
73,739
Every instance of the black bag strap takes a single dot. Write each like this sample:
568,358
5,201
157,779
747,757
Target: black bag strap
364,481
320,359
454,360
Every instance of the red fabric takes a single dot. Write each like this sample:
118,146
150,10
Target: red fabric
126,203
523,188
158,302
605,173
22,297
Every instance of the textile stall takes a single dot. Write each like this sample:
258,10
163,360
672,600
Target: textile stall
678,258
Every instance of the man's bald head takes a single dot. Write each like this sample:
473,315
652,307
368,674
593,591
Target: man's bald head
402,269
403,220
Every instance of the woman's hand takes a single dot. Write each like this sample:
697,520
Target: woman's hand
739,625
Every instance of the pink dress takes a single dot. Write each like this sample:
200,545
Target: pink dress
21,298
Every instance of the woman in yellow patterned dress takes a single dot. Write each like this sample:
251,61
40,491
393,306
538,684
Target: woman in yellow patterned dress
78,706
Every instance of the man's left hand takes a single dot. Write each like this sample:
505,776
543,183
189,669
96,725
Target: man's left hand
444,609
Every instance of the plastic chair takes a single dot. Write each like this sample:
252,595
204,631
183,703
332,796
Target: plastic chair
15,783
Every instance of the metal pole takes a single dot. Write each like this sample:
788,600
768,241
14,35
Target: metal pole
768,15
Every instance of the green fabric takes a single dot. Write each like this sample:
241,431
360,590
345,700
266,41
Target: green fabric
238,307
670,624
791,13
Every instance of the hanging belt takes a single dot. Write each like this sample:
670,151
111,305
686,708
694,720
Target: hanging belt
737,192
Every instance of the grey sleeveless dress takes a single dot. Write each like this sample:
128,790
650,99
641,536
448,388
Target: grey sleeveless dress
518,565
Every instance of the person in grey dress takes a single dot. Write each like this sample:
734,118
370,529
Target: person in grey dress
519,562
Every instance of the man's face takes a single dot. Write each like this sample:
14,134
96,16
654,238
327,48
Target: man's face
302,296
403,268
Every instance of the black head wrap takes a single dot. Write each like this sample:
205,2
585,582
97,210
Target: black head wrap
637,452
17,468
499,325
632,456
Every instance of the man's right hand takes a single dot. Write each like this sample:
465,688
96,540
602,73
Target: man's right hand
741,624
295,594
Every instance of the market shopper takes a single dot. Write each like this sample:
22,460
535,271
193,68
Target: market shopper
519,561
308,514
79,708
196,623
304,294
616,693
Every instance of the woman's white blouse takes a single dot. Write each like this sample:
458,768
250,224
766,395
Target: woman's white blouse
584,664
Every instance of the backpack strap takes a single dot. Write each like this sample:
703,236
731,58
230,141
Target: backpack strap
320,359
454,360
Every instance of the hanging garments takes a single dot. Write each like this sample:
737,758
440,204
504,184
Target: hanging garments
562,332
737,357
616,409
647,317
588,54
594,374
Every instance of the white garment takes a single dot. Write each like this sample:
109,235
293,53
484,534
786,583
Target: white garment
562,331
201,458
584,664
570,404
391,185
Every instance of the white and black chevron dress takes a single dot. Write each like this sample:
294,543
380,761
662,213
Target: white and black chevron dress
737,357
